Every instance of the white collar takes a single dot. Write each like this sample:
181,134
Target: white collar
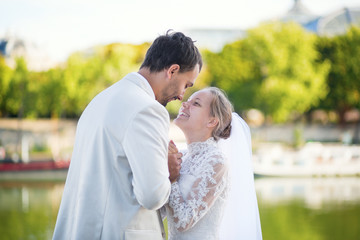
141,81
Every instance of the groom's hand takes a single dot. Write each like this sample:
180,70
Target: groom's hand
174,162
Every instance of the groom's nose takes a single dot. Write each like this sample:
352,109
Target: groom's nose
181,96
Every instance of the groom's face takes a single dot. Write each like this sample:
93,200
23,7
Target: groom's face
177,86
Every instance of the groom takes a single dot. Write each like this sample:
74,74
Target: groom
119,172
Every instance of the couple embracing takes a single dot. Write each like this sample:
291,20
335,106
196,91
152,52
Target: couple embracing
124,169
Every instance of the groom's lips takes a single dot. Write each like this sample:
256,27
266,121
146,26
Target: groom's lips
172,99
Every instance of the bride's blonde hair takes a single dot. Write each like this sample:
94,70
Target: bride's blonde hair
221,108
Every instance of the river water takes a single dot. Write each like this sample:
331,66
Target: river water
290,208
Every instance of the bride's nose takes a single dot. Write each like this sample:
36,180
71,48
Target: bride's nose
185,104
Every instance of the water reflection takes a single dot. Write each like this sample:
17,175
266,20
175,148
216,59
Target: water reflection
315,192
29,210
309,208
290,208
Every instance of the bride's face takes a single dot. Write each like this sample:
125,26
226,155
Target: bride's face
194,115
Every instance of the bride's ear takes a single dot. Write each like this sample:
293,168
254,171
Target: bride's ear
213,122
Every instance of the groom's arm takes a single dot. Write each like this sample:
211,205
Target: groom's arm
145,145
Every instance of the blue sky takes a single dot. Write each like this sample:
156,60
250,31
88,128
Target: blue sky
60,27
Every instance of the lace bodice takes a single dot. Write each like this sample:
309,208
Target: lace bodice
197,199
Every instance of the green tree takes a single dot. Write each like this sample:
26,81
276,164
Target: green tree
343,52
87,73
50,93
15,95
64,91
5,78
274,69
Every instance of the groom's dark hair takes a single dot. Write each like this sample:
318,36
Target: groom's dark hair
172,48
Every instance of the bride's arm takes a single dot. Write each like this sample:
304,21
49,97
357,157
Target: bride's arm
207,187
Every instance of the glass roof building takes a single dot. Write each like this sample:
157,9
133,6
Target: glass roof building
332,24
12,47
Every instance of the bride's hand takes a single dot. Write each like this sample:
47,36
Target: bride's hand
174,162
172,147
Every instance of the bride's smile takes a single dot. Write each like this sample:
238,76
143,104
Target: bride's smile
183,114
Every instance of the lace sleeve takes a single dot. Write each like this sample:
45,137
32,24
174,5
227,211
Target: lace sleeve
210,182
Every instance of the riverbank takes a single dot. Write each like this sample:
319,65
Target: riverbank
54,138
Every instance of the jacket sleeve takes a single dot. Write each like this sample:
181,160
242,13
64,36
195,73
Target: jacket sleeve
145,144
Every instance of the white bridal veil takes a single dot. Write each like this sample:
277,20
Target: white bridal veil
241,217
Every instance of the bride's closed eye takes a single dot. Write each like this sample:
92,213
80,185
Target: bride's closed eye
197,104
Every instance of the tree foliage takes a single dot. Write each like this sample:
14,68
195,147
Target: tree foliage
5,79
277,68
17,92
343,53
274,69
64,91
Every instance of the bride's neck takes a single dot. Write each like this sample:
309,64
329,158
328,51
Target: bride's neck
196,137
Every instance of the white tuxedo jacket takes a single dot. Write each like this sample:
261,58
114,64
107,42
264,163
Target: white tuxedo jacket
118,174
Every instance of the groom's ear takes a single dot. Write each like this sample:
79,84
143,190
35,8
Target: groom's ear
213,122
173,69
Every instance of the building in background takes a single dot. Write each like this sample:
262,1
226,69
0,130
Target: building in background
214,39
332,24
12,47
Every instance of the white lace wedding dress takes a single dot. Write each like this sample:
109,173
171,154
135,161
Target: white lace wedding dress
197,199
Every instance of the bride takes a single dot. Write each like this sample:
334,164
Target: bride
214,197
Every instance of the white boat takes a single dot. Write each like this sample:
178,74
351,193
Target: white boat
314,159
